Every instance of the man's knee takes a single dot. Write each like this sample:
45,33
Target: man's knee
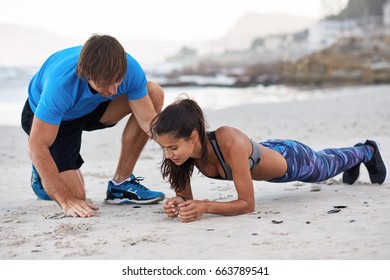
156,94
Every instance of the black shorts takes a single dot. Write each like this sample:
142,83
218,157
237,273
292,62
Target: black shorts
66,147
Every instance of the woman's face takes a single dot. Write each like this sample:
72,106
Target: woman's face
178,150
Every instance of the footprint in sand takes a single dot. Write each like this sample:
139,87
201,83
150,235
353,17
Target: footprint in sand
72,229
55,216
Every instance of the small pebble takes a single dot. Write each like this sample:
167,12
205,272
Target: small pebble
276,222
315,188
333,211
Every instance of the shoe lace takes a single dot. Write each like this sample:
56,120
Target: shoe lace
136,181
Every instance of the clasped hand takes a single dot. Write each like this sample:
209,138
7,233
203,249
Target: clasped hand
187,211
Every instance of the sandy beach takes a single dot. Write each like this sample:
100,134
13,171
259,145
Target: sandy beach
304,230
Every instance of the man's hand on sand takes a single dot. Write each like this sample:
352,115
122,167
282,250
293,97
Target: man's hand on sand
80,208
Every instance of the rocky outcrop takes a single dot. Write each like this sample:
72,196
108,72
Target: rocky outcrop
349,61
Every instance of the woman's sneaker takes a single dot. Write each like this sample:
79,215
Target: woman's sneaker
36,185
131,192
376,166
351,175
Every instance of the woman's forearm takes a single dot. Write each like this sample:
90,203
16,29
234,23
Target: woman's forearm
231,208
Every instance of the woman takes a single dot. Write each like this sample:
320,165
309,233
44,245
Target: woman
228,154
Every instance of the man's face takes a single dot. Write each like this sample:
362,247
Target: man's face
105,92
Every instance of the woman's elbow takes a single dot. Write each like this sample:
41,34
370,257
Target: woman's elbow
249,207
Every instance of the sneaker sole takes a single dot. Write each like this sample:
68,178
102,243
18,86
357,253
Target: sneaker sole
384,163
124,201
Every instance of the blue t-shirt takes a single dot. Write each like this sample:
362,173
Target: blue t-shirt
57,94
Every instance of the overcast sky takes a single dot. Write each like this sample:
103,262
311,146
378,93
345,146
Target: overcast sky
169,20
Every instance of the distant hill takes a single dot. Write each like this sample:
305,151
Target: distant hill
360,8
25,46
22,46
254,25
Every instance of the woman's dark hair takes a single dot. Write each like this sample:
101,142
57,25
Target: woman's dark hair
102,60
179,120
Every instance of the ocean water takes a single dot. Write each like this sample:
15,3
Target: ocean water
14,83
13,93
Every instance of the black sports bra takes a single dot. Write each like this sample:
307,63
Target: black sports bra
254,158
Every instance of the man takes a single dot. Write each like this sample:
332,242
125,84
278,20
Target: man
88,87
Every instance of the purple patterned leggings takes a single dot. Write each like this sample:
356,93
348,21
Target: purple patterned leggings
306,165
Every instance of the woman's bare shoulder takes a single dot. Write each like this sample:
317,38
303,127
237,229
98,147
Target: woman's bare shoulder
229,134
227,130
